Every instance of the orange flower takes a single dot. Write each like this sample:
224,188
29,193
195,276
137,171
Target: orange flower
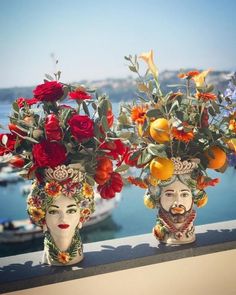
188,75
87,190
232,125
138,114
137,181
206,96
86,212
63,257
182,135
203,182
52,188
36,214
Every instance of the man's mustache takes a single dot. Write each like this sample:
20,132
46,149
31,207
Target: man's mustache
180,209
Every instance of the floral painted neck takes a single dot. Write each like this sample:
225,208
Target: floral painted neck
63,257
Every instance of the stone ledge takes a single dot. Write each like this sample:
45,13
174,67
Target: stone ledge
24,271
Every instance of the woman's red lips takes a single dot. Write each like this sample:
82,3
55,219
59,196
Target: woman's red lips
63,226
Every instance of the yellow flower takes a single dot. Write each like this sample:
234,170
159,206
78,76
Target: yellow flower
63,257
148,58
87,190
36,214
200,78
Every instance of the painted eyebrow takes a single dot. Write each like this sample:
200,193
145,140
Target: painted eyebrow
169,190
71,206
185,190
54,206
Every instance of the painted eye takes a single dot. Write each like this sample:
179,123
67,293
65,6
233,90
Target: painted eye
52,212
185,195
169,195
71,211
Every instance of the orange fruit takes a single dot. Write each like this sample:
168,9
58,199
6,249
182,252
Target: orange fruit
219,157
160,130
161,168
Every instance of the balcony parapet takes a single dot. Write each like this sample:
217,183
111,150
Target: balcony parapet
25,271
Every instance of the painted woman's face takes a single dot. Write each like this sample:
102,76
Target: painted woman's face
176,198
63,216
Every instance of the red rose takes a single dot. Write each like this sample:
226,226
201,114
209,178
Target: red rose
29,101
80,95
49,91
49,154
114,148
52,128
81,127
10,145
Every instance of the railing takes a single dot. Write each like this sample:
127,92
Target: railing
25,271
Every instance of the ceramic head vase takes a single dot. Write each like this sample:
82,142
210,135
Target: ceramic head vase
175,200
60,205
63,140
171,127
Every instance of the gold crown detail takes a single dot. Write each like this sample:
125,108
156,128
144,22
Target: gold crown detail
63,172
184,167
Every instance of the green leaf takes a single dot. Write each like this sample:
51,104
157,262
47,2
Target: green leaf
105,124
90,180
29,138
211,111
135,155
122,168
15,107
155,150
65,114
175,105
126,57
132,69
94,106
153,113
50,78
144,158
210,88
103,107
215,107
85,108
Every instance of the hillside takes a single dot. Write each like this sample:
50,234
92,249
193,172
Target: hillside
121,89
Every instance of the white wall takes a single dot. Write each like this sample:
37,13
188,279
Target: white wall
213,274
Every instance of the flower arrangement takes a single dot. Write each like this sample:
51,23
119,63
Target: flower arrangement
46,132
190,123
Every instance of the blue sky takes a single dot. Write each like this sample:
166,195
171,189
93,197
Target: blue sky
90,38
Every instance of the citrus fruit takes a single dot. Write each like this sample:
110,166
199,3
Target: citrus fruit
161,168
159,130
219,157
202,202
149,202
